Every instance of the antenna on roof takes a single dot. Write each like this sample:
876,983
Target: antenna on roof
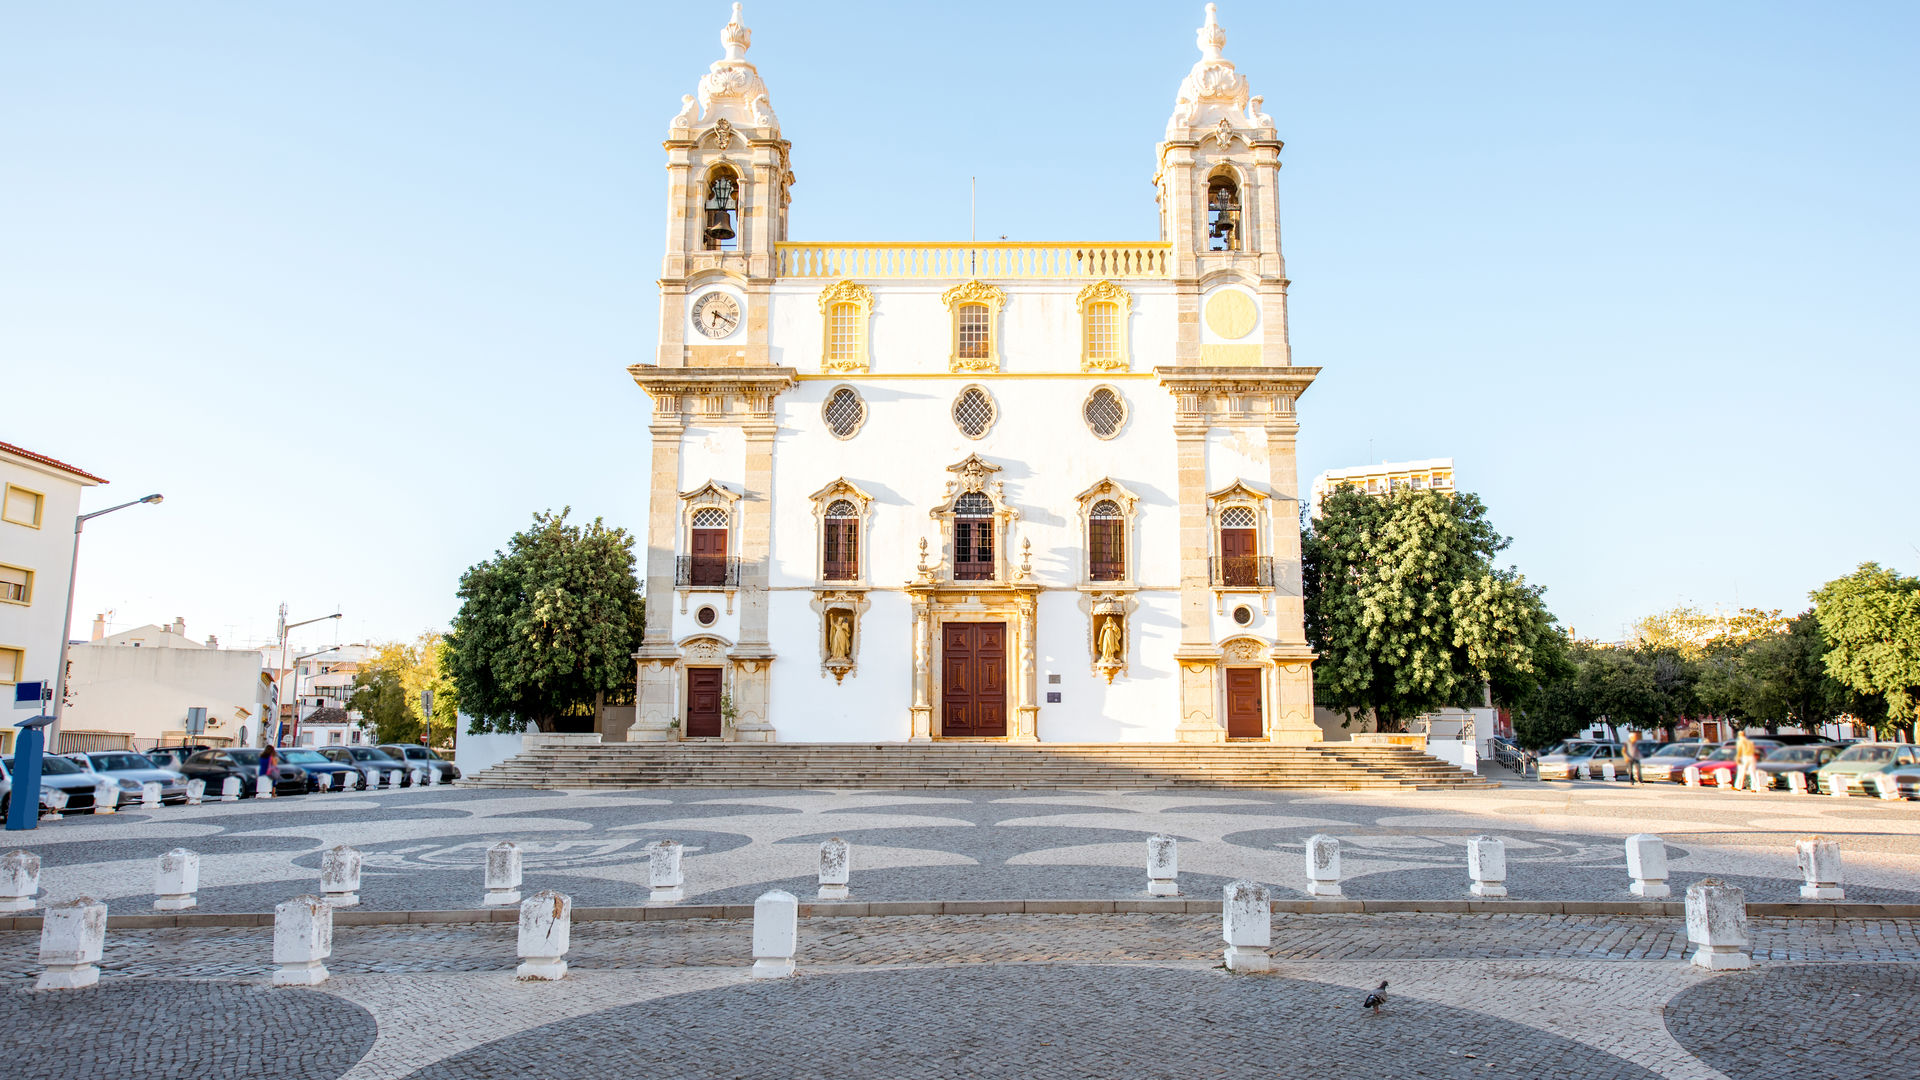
973,209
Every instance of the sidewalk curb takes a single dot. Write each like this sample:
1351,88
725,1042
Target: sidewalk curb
884,909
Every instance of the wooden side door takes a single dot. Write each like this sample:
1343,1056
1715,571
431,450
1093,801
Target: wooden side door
709,557
703,703
973,680
1238,562
1243,703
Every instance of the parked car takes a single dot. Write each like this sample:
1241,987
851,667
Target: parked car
1802,740
367,760
316,765
172,757
214,766
130,772
1906,780
1722,760
438,769
1670,761
1867,759
1804,759
1563,761
56,774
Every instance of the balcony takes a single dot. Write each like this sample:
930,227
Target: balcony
1241,572
706,572
998,261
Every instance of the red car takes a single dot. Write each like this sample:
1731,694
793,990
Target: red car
1721,761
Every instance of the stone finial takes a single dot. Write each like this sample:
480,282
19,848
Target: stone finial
732,89
196,791
776,934
263,787
230,789
72,936
1323,865
340,875
150,794
1487,866
1647,866
302,941
1246,925
663,873
1163,866
176,880
503,875
1717,924
106,797
1213,91
546,930
1820,867
19,880
836,868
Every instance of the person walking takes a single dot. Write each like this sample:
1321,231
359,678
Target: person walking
1748,757
268,759
1633,758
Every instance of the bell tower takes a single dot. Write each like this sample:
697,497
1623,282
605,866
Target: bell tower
728,178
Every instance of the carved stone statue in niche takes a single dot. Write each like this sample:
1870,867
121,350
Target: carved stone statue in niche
1110,643
840,636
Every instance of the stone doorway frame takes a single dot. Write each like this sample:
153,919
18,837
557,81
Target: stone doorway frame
935,605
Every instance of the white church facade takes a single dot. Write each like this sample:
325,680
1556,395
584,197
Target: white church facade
1005,491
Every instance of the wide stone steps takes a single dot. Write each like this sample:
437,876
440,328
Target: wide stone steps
903,765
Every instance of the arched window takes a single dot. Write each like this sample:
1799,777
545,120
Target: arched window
1106,542
1239,547
973,538
722,229
841,542
1223,214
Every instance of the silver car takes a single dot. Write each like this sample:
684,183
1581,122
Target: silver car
130,772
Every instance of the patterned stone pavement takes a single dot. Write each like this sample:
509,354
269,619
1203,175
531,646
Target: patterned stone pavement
424,848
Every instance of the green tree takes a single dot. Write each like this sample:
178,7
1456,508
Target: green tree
380,695
427,669
1871,620
1409,612
546,627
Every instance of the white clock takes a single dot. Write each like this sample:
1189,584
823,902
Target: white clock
716,314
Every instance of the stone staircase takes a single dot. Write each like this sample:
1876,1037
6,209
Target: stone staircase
1340,766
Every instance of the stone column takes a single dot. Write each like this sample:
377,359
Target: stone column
753,655
1293,658
1197,657
654,693
921,716
1026,728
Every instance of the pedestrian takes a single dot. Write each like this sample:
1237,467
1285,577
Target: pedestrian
267,762
1748,756
1633,757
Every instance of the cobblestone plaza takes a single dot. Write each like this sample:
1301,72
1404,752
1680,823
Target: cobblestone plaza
960,995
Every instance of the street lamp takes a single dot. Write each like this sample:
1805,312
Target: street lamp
280,688
66,628
296,682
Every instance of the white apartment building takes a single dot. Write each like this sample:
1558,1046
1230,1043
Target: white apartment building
1385,478
137,687
39,500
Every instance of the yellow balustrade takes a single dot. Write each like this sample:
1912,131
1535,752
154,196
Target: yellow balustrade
962,261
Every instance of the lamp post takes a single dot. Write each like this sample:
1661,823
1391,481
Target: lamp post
66,627
296,683
281,688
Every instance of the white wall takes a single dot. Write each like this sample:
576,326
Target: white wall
474,753
146,692
34,628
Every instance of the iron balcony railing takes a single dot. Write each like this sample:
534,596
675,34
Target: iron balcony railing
1242,571
706,572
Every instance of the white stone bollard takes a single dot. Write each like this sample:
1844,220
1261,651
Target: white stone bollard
776,934
177,880
1797,783
1607,771
340,875
1889,789
1487,866
1692,775
53,800
263,787
1323,865
106,797
1717,923
302,941
546,929
1163,866
663,873
1839,785
1647,866
71,939
1820,867
230,789
196,791
324,783
150,794
19,880
1582,772
414,777
1246,925
1722,778
393,777
503,875
836,868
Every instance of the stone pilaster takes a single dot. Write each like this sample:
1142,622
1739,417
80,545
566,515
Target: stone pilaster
654,707
920,719
753,655
1026,727
1197,655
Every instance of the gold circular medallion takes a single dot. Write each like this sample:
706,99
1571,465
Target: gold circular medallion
1231,314
716,314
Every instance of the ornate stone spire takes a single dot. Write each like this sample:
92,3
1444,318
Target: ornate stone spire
1214,97
731,92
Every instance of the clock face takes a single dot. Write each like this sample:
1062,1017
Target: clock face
716,314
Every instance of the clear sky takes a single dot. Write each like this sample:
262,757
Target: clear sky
355,284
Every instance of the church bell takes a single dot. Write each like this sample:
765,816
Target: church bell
719,224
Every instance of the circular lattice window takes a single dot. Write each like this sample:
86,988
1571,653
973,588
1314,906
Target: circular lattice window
973,412
1243,615
707,616
844,412
1105,412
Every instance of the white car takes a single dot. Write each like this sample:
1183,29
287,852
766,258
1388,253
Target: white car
129,772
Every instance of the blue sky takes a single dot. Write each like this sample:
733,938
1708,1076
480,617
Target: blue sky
355,283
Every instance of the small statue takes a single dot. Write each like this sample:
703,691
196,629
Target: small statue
689,112
839,637
1110,644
